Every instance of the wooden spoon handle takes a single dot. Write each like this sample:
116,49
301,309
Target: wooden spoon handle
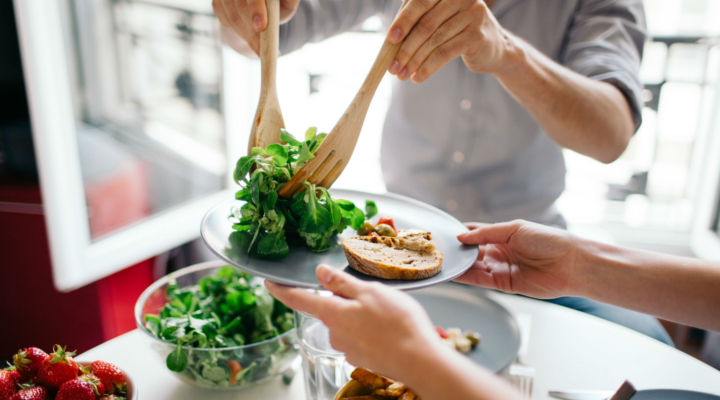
362,100
269,42
268,118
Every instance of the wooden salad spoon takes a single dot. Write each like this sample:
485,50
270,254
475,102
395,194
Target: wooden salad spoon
334,154
268,118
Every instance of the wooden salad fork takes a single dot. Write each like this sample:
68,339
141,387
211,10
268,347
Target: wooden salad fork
334,154
268,118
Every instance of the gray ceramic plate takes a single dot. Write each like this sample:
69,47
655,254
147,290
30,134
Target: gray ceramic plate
298,269
465,307
672,394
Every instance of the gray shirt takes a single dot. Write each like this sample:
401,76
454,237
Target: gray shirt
458,140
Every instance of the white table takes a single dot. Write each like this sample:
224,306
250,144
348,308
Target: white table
569,349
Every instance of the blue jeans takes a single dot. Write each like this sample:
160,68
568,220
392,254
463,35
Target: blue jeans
636,321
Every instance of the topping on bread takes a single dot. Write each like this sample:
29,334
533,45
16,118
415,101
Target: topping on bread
413,256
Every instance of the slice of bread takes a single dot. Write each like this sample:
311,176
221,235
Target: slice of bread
410,257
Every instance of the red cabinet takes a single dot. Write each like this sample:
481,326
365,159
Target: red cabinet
32,311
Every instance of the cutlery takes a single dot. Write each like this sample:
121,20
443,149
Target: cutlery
625,392
268,118
334,154
522,376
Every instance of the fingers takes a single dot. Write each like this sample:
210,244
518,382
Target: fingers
443,35
407,18
446,30
340,283
220,12
442,55
491,234
234,15
301,299
435,28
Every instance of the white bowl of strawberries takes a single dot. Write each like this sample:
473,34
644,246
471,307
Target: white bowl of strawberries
37,375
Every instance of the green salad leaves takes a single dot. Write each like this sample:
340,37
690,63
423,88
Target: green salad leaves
310,218
228,309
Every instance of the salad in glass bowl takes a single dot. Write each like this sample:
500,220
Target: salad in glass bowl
217,327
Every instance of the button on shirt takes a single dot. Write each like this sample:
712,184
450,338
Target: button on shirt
458,140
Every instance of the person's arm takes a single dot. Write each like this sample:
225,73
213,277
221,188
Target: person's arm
390,333
584,115
590,105
443,373
543,262
679,289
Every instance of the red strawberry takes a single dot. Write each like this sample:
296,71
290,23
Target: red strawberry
110,375
27,362
95,382
8,384
31,393
14,374
113,397
76,389
57,369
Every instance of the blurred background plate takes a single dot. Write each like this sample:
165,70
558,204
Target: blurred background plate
672,394
467,308
298,269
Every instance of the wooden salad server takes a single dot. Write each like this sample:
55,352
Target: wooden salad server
268,118
334,154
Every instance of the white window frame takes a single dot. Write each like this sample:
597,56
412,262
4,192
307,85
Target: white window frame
705,241
76,259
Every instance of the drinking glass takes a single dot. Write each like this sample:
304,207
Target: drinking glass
324,369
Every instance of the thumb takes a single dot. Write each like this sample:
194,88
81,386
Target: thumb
338,282
490,234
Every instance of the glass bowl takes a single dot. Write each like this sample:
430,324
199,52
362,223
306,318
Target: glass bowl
208,367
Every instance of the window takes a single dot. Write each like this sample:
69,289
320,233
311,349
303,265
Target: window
127,114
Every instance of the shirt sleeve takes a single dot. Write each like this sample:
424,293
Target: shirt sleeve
605,42
317,20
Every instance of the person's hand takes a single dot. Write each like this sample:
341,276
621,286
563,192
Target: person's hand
377,327
525,258
249,17
438,31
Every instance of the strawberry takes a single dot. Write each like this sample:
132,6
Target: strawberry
110,375
95,382
27,362
14,374
119,390
8,384
112,397
76,389
57,369
30,392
